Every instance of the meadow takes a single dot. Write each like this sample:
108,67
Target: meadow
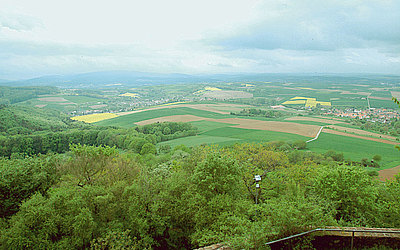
356,149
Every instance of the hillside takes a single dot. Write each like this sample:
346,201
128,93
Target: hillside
26,120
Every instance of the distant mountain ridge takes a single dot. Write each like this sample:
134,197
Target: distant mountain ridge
103,78
133,78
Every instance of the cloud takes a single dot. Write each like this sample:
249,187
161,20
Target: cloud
52,37
318,25
18,22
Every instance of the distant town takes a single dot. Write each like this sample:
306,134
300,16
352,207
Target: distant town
373,114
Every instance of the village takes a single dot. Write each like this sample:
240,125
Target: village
380,115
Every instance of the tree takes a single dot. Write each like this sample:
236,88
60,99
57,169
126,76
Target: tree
21,178
88,163
352,191
377,158
300,144
148,148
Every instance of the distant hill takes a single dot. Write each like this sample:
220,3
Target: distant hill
107,78
133,78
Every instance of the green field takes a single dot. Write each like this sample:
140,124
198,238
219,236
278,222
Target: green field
129,120
356,149
223,134
79,99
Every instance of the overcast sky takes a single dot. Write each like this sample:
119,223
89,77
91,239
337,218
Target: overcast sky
41,37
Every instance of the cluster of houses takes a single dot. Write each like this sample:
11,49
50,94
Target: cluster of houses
373,114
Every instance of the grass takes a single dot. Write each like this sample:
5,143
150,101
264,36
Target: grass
212,133
204,126
356,149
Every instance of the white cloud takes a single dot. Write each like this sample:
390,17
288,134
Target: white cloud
189,36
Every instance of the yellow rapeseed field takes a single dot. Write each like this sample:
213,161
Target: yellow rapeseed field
212,89
311,103
171,103
94,117
308,102
129,94
299,97
295,102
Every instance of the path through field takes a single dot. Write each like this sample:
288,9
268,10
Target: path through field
316,137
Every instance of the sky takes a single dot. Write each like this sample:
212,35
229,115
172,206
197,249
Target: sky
57,37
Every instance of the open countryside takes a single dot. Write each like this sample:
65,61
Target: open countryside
202,125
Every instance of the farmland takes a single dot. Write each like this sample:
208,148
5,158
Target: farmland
222,129
94,117
303,104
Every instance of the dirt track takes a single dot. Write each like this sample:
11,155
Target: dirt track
389,173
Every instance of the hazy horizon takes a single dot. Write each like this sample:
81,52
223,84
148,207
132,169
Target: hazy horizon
39,38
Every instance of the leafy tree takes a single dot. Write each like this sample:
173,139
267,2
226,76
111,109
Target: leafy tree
300,144
88,163
148,148
21,178
352,191
377,158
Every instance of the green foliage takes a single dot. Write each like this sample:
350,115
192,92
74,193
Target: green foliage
148,148
299,144
216,175
353,192
11,95
20,120
260,112
168,130
21,178
115,240
98,197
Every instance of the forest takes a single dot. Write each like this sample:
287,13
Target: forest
74,185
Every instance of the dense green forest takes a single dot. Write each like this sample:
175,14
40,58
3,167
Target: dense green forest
98,197
73,185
